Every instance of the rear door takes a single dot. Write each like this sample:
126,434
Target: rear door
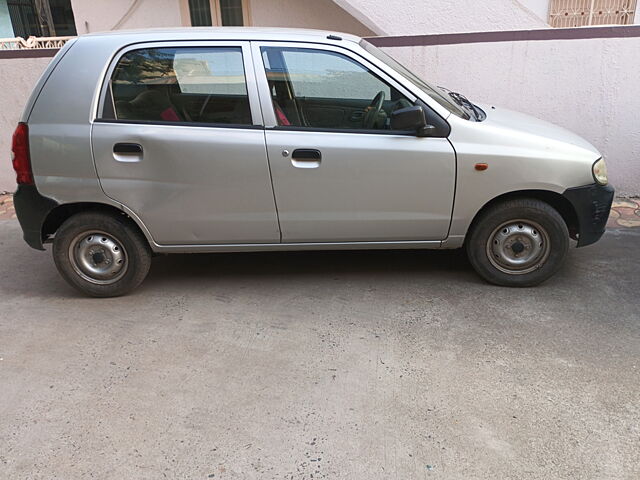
179,141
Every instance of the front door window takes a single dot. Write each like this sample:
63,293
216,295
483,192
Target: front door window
326,89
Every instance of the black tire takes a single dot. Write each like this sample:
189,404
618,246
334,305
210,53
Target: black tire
123,254
521,230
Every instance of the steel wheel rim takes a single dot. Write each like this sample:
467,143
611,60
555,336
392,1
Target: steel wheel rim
518,247
98,257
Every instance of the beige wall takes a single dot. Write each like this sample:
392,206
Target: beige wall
106,15
588,86
538,7
17,77
321,14
407,17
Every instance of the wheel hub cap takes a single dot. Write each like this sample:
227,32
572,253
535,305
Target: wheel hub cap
98,257
518,247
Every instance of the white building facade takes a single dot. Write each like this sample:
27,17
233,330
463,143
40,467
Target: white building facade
503,52
379,17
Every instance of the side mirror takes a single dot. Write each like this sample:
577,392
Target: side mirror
412,118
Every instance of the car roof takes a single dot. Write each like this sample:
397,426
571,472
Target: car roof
228,33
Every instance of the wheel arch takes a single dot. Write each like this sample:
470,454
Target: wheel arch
555,200
58,215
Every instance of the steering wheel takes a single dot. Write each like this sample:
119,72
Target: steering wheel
373,110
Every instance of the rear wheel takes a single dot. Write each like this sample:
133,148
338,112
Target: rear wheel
101,254
518,243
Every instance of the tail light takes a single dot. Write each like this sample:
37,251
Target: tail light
20,155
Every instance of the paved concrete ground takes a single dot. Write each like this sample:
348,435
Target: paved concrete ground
374,365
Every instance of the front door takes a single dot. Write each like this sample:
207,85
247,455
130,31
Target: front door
339,173
179,142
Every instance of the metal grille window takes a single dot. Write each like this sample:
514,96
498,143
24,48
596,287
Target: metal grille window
228,13
24,18
578,13
231,13
62,17
200,12
41,18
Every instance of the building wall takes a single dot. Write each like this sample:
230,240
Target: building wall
105,15
6,30
588,86
539,7
321,14
361,17
406,17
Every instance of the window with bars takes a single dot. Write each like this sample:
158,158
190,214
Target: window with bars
231,13
41,18
24,18
200,12
579,13
228,13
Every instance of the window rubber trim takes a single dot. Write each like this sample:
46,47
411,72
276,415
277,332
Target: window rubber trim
179,124
290,128
442,120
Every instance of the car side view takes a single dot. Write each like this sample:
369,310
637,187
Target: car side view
244,139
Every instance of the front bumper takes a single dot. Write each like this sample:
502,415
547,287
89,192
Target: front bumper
32,209
592,204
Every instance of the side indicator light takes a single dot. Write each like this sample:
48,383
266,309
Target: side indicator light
481,166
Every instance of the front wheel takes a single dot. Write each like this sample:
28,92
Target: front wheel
100,254
518,243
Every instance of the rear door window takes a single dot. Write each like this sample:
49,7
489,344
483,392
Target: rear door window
180,85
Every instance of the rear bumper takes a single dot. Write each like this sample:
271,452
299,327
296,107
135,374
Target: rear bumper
592,204
32,209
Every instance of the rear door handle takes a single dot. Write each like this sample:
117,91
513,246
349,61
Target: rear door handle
127,152
306,158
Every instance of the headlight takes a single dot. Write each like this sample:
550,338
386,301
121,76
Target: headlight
600,172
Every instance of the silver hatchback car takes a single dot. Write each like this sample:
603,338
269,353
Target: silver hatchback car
229,140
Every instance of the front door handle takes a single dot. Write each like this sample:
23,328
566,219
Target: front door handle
127,152
306,158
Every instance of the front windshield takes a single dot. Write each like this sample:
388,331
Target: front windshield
433,92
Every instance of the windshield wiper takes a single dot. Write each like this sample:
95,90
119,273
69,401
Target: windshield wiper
466,103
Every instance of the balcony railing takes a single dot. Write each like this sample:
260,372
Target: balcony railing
578,13
30,43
